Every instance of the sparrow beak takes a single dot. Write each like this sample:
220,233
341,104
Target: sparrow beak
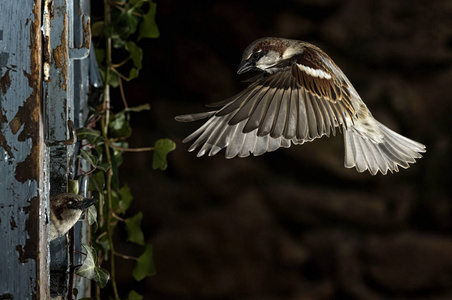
88,202
245,66
82,205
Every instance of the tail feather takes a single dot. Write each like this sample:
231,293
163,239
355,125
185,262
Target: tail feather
395,150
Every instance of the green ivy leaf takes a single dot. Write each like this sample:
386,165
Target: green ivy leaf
136,53
97,182
90,270
161,149
134,296
126,198
88,157
148,27
115,202
73,186
103,167
97,29
118,153
124,24
121,199
100,56
133,227
93,136
145,265
91,213
133,73
113,80
116,159
119,126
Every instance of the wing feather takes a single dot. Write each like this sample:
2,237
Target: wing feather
290,129
297,104
279,122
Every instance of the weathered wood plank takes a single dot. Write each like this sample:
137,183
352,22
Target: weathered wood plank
23,188
81,91
65,92
59,113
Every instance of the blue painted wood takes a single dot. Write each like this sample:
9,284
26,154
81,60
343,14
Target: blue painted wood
23,160
81,92
38,111
66,94
58,110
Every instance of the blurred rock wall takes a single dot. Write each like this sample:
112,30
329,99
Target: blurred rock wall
295,224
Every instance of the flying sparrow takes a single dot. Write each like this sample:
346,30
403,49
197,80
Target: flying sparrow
65,210
299,95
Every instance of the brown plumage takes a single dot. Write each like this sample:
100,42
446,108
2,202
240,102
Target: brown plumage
65,211
300,95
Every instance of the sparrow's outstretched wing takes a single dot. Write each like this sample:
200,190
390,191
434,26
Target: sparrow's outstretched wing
302,96
300,103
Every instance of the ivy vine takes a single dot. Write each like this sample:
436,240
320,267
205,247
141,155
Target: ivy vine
105,140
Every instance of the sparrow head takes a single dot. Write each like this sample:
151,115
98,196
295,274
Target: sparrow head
65,210
266,54
81,203
66,202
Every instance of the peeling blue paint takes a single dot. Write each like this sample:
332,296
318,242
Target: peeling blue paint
23,145
20,139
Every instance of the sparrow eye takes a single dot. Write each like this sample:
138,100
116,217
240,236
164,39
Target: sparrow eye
257,55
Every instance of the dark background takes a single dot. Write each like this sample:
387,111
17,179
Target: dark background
295,224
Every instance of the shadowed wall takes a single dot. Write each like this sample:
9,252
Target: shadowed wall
295,224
